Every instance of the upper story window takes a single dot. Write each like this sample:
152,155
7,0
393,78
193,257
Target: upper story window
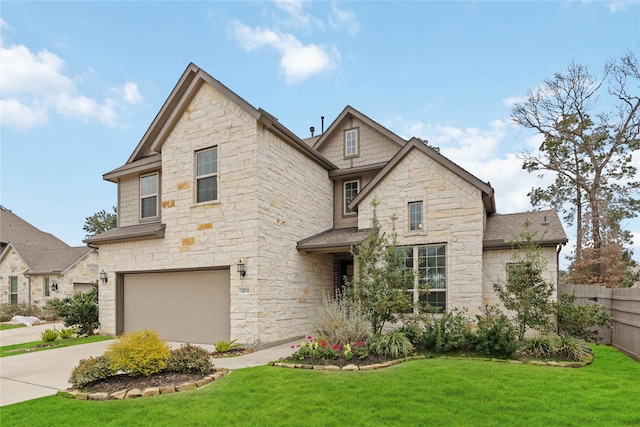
351,148
415,216
350,192
149,196
207,175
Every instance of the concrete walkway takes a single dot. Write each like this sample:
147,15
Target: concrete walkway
44,373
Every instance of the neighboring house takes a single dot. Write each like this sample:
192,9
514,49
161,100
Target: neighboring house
232,227
36,266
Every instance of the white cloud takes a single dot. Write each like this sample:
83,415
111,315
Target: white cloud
617,6
510,101
297,61
35,84
4,25
344,19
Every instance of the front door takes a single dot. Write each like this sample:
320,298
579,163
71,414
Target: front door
346,273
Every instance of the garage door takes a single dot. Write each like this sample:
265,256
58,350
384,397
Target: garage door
183,306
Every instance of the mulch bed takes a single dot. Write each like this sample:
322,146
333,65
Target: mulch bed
341,362
126,382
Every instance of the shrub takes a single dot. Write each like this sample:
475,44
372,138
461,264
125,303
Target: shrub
90,370
66,333
412,330
81,311
318,348
394,345
49,335
496,335
451,332
575,320
7,311
189,359
225,346
138,353
342,321
572,348
540,347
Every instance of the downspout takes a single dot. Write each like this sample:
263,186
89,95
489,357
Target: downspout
28,287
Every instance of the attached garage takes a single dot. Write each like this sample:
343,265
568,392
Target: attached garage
184,306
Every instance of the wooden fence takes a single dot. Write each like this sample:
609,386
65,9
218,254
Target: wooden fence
624,306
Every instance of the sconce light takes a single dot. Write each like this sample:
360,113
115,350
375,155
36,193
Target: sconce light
103,276
54,286
241,269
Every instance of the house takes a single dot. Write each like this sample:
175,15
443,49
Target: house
36,266
232,227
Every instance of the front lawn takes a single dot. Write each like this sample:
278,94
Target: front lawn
30,347
440,391
6,326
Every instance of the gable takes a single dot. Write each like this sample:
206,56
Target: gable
16,230
375,143
461,176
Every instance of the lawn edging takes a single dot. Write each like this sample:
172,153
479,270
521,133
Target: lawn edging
147,392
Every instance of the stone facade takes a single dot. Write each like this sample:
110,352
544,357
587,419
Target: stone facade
277,193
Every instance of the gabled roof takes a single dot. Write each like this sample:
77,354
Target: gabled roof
502,229
182,94
350,111
154,230
333,241
488,197
16,230
43,260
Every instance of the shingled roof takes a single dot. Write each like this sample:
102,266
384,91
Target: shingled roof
16,230
502,229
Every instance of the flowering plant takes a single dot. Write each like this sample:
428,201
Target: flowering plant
319,348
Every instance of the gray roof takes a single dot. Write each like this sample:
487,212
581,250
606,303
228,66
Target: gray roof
333,241
42,260
502,229
154,230
14,229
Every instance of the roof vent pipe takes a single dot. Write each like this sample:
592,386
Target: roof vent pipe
322,121
312,129
545,222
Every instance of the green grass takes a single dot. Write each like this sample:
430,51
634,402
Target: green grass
5,326
441,391
33,346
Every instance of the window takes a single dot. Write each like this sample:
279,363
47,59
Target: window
351,143
149,196
207,175
13,290
415,216
429,271
47,287
350,193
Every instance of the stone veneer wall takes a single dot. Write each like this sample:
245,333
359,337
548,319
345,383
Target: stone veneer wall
452,214
13,265
495,262
270,196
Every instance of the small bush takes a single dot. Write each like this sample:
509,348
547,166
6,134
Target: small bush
342,321
90,370
225,346
496,335
318,348
190,359
138,353
49,335
81,311
451,332
572,348
66,333
540,347
7,311
575,320
394,345
412,330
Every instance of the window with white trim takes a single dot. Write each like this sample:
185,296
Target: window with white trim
13,289
149,196
351,143
350,191
428,264
207,175
415,216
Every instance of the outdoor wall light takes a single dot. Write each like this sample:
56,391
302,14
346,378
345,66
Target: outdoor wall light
54,287
103,276
241,269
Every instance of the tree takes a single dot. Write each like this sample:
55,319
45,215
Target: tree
588,150
100,222
80,311
525,292
382,284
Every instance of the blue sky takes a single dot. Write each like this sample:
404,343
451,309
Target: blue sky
81,81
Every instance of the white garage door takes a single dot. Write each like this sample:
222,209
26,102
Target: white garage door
190,306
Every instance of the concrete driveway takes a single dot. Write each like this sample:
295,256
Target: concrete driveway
44,373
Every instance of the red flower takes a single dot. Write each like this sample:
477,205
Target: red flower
336,347
323,344
360,344
309,337
293,346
